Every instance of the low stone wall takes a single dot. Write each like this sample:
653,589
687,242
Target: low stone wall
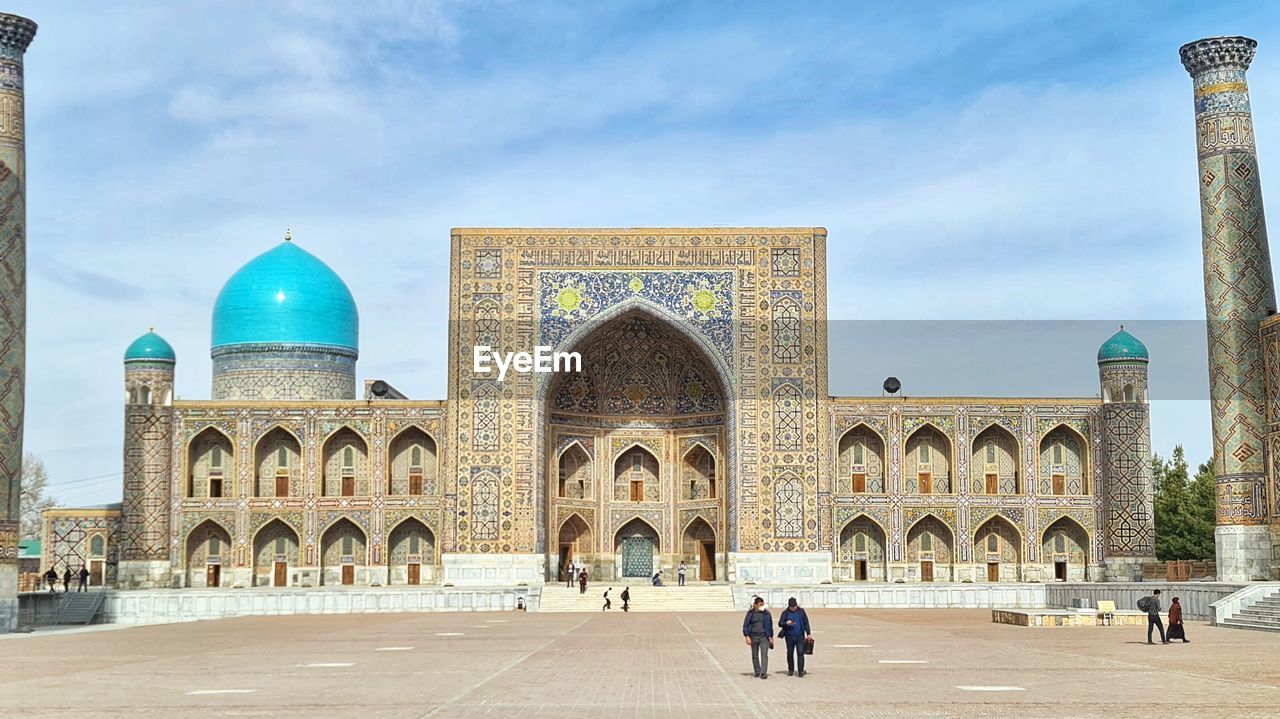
164,606
1195,597
939,595
1060,618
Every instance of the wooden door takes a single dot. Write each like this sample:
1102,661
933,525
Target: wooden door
637,491
1059,484
707,561
282,485
348,575
280,576
926,571
993,483
926,483
860,570
212,574
415,574
993,571
348,486
415,484
95,572
859,482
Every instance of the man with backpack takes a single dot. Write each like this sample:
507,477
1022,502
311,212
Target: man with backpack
609,602
1151,605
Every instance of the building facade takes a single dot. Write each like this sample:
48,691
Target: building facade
698,428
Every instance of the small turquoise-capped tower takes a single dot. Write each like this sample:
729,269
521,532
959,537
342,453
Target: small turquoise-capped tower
285,326
1124,469
149,365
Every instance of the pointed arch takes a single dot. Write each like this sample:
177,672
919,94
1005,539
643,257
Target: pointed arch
413,463
995,461
277,549
575,471
637,474
210,463
999,543
277,460
928,457
788,506
205,545
343,552
860,459
576,531
931,548
861,549
1065,549
345,462
411,549
720,367
637,544
698,547
697,468
1064,462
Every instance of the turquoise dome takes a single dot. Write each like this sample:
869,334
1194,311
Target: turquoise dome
1122,346
286,295
150,347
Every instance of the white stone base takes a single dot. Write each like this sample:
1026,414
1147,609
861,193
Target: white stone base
866,594
1125,569
146,574
492,569
780,567
8,597
1244,553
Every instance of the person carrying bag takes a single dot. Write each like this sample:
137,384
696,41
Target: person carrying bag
794,624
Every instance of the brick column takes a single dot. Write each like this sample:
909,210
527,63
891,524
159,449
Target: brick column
16,34
1238,293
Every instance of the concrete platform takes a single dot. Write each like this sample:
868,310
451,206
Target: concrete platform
935,663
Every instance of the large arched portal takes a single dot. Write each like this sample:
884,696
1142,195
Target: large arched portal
639,432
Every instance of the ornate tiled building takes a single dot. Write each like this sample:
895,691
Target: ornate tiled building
697,428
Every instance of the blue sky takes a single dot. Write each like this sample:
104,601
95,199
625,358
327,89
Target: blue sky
976,161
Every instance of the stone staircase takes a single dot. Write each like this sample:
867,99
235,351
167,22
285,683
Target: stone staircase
644,598
1262,615
79,607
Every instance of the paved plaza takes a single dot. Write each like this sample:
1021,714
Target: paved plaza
868,663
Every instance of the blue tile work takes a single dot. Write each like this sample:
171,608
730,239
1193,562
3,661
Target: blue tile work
705,299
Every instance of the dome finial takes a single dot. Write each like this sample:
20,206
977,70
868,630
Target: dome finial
152,328
288,235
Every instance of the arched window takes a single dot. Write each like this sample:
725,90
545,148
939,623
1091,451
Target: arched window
1128,393
144,395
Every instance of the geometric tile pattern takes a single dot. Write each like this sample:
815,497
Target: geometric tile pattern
1238,288
15,35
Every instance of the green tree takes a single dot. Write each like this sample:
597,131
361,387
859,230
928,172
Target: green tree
1184,509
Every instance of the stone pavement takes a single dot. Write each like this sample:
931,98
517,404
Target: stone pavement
868,663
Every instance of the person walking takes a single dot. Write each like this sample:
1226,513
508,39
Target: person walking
680,573
51,577
794,623
757,628
607,601
1151,605
1176,630
66,579
582,581
84,580
626,598
569,576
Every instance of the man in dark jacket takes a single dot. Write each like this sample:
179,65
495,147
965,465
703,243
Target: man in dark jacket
1151,605
66,579
795,627
84,580
51,577
757,628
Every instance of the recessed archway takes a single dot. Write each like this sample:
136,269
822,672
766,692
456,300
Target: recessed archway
998,545
210,465
411,555
860,554
413,464
927,461
1064,462
637,547
993,462
1065,550
277,459
343,554
931,550
276,553
207,544
698,550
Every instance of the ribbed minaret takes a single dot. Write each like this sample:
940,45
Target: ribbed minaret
16,34
1238,295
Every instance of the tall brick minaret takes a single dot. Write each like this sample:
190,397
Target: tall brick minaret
16,34
1238,295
